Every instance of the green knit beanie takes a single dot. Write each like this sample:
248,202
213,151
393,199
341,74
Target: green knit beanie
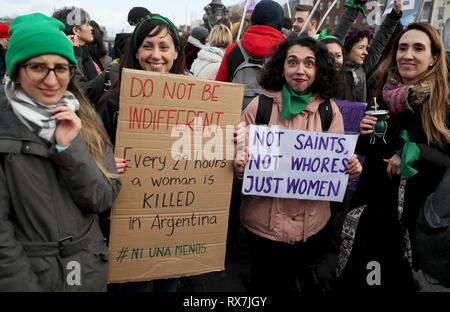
33,35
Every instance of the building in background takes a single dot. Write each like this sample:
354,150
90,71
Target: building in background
333,17
436,12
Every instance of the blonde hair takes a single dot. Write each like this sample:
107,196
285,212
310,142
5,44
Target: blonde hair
92,133
247,24
435,107
220,37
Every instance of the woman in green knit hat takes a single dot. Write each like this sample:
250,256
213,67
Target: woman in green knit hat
57,170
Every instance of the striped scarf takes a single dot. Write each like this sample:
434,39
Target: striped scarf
402,98
36,116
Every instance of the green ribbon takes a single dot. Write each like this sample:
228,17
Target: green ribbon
323,36
350,4
164,20
293,104
410,154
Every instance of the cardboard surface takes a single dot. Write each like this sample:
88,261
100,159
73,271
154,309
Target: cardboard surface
171,216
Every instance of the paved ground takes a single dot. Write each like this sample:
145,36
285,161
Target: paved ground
235,278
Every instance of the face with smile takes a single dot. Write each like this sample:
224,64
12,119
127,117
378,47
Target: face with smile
300,68
157,52
359,51
414,55
336,50
300,19
49,90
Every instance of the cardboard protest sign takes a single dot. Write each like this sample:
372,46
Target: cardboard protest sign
171,216
297,164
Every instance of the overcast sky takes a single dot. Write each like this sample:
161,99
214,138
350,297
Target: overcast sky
113,13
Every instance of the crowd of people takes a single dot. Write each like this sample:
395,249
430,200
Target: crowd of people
59,103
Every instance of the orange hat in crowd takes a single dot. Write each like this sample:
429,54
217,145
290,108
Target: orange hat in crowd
4,31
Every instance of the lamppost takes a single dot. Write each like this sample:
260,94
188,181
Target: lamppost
214,12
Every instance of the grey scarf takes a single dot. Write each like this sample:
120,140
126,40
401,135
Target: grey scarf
36,116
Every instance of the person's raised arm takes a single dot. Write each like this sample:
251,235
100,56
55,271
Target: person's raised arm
352,10
382,37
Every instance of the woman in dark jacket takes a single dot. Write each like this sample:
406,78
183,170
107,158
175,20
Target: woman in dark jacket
57,169
80,27
360,61
156,47
398,175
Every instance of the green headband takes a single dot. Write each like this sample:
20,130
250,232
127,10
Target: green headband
323,36
162,19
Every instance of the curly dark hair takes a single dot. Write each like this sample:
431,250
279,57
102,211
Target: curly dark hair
272,76
355,35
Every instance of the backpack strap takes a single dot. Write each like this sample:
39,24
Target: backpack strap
264,111
326,114
265,105
247,60
244,53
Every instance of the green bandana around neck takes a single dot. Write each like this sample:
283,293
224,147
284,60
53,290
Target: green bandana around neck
293,104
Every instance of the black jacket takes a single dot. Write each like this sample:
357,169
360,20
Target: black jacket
2,63
356,89
374,180
48,201
119,44
109,113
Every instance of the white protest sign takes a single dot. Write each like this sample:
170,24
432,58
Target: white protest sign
411,10
297,164
407,5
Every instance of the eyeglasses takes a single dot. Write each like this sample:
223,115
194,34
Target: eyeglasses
38,71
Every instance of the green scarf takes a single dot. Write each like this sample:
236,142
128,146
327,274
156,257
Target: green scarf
350,4
293,104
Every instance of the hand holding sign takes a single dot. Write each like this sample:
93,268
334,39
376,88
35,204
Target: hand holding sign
354,168
242,154
298,164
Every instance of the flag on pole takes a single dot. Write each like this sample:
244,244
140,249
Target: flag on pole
411,8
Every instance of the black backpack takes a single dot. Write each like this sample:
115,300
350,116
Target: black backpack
247,73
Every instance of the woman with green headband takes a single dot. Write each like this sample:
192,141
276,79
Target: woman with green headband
286,235
57,170
334,47
154,46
